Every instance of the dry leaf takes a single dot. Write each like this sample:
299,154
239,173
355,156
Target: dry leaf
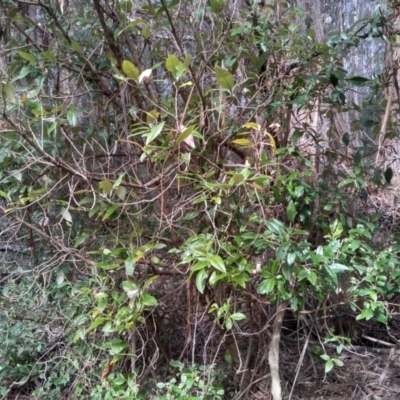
145,75
107,370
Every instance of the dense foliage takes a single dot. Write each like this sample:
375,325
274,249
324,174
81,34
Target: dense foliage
168,195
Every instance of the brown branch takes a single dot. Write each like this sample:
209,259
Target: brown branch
191,69
107,34
54,242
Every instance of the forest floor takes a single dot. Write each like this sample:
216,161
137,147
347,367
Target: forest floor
368,373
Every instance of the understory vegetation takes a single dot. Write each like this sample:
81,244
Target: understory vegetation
187,188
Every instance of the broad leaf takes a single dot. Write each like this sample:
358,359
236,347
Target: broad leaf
155,131
224,78
217,262
130,70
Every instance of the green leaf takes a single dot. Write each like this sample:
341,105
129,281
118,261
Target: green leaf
80,239
188,59
60,278
303,274
238,316
217,262
155,260
71,117
276,226
173,64
24,71
328,366
130,264
291,257
66,214
110,211
388,175
155,131
217,5
382,318
107,328
106,186
199,265
116,346
266,286
373,295
201,278
76,46
241,279
358,81
299,100
130,70
146,32
121,193
336,267
8,89
214,278
228,357
333,80
185,134
130,289
27,56
190,215
312,278
339,363
291,211
224,78
148,300
176,364
98,321
366,313
228,324
129,285
80,334
93,211
118,181
346,138
238,178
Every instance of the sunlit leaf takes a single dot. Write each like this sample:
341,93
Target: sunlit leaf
27,56
9,91
130,70
217,262
155,131
238,178
121,192
201,279
72,117
266,286
224,78
76,46
66,214
252,125
145,75
242,142
291,211
130,264
188,59
106,186
238,316
148,300
172,64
